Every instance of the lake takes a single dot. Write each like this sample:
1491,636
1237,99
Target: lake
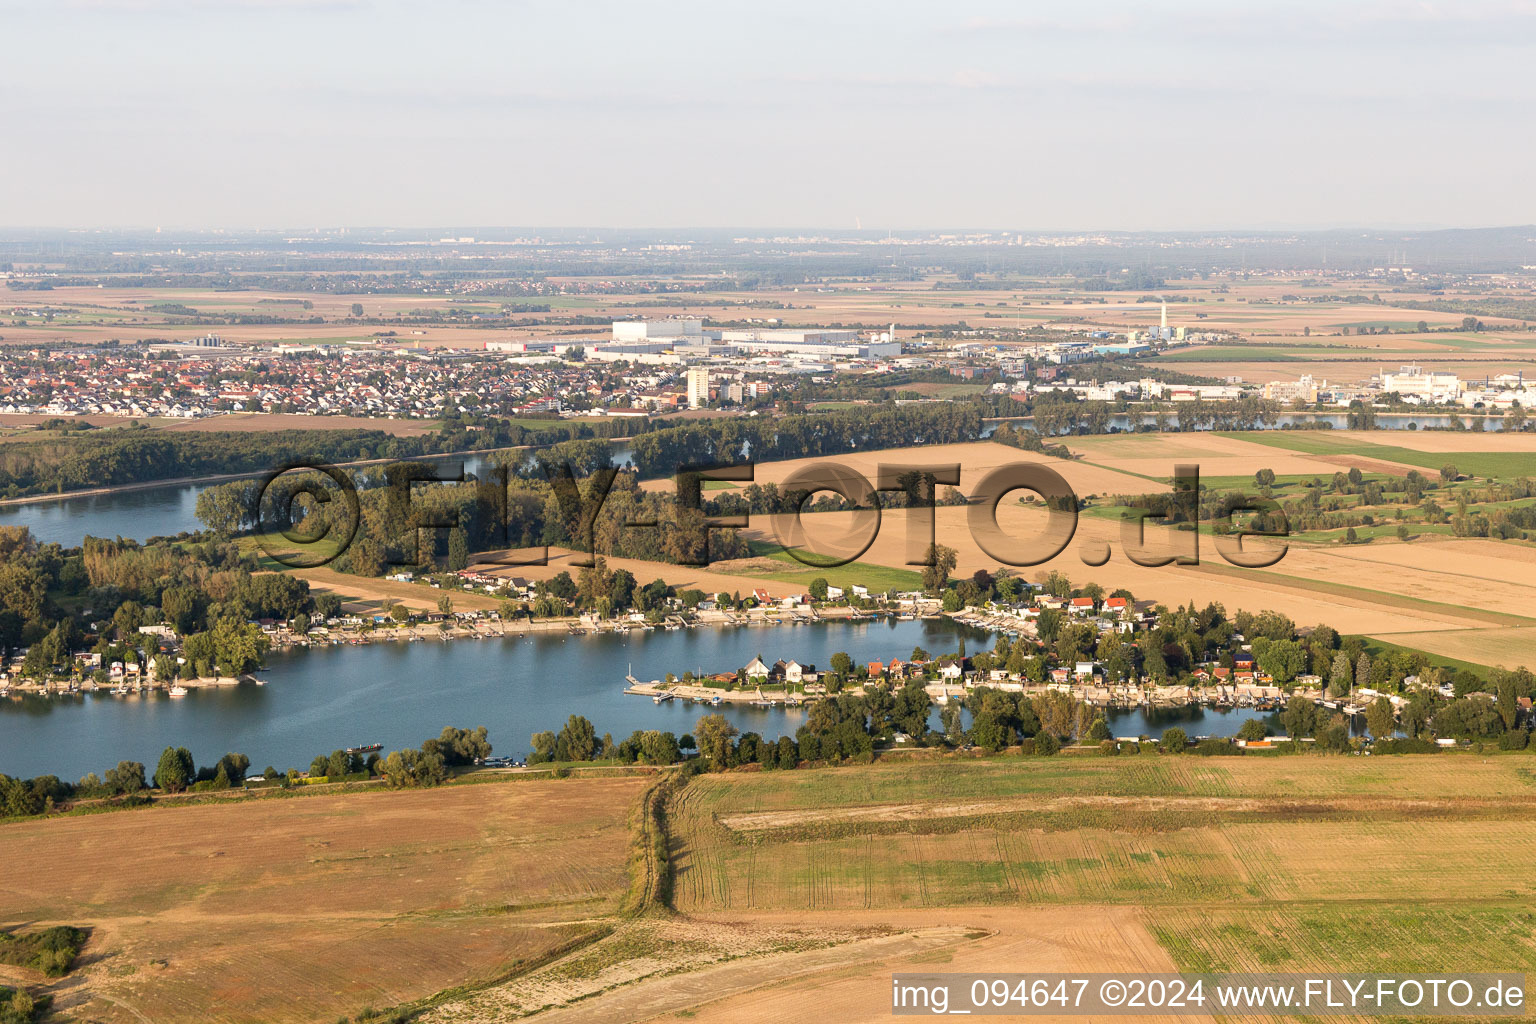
398,694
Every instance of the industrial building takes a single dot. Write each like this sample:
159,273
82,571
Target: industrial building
1412,384
675,329
689,341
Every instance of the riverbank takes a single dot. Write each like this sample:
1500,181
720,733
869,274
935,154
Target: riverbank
320,697
443,629
224,478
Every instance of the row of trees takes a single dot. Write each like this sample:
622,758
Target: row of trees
177,772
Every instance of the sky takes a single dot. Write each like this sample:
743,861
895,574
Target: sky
834,114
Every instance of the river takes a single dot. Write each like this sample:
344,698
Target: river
398,694
151,511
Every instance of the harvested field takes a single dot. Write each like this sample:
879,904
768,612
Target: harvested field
680,576
1294,835
975,459
256,421
1040,939
372,594
297,909
1297,593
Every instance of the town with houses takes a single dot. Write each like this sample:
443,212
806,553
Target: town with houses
650,367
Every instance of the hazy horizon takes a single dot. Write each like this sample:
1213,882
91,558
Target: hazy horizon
286,114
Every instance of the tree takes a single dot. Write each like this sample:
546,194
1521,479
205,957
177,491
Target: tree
818,588
1282,659
911,711
714,735
1415,714
621,589
577,741
1264,477
458,549
124,780
1448,473
1299,717
950,719
1253,729
1342,676
1379,719
412,769
543,744
357,309
939,563
658,748
445,604
842,664
1175,740
1363,671
400,613
175,769
461,746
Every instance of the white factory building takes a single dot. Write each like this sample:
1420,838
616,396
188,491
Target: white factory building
1412,384
689,341
676,329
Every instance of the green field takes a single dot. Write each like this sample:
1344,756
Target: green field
1147,830
1509,465
1277,862
878,578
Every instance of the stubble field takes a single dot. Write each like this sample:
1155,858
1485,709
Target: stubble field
302,909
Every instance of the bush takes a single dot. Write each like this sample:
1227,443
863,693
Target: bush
1109,748
1404,746
51,951
1216,748
1175,740
1514,739
1046,744
18,1007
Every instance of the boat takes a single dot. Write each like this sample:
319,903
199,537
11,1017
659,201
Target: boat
715,701
366,748
662,697
178,691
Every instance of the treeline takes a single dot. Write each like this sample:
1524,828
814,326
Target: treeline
137,454
1056,414
176,772
1509,308
804,435
526,513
